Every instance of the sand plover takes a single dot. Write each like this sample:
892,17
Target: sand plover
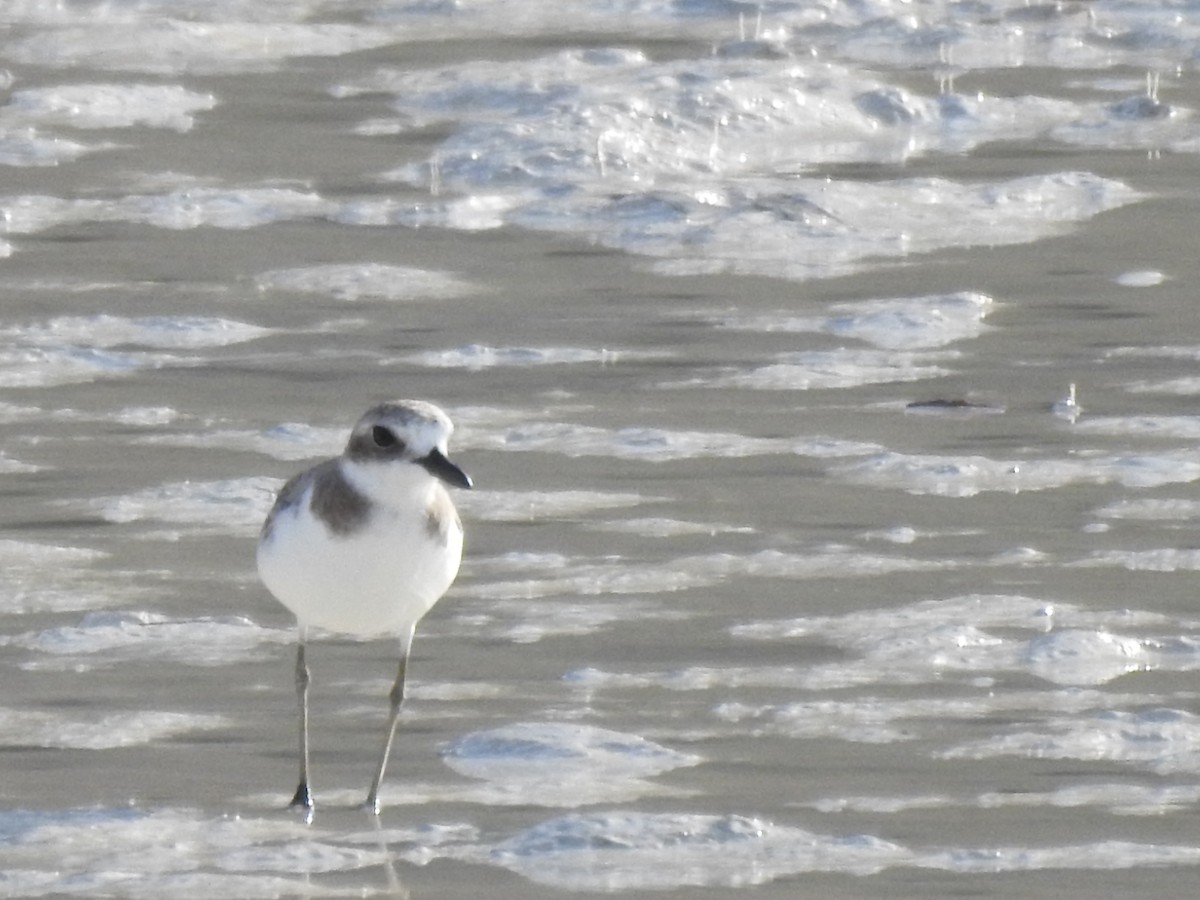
364,544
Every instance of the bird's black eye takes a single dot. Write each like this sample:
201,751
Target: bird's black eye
383,437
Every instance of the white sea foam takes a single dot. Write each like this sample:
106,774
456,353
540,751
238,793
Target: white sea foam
1004,35
829,369
367,281
230,506
516,561
753,232
213,207
610,851
1105,36
106,106
1079,656
604,142
870,718
476,212
160,45
548,764
130,852
145,416
300,856
966,476
51,577
1162,740
865,720
660,527
897,534
194,206
620,576
25,147
477,423
1139,121
879,804
36,367
689,678
980,635
287,441
19,412
16,555
476,357
104,639
1183,352
1020,556
34,728
666,159
620,114
533,506
902,323
1184,427
656,444
159,332
137,416
1141,278
884,720
1116,798
1166,509
639,851
523,619
563,764
1160,559
1100,855
1185,386
11,466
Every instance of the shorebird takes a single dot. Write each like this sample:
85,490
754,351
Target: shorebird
364,544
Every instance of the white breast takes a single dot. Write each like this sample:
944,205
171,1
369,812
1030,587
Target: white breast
379,578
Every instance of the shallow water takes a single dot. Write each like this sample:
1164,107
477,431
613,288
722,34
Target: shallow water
791,565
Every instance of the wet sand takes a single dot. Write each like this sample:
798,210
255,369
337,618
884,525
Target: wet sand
705,636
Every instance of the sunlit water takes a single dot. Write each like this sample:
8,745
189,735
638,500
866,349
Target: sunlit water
827,372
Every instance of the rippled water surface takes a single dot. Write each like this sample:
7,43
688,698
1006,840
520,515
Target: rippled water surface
827,371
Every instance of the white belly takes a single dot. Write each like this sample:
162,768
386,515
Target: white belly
379,580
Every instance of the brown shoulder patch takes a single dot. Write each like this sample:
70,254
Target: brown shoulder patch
335,501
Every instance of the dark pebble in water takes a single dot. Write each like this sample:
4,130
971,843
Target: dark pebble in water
1139,108
952,406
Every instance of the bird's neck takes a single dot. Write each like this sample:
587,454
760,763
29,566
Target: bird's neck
389,483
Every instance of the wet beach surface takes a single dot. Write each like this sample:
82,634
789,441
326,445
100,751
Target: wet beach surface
790,567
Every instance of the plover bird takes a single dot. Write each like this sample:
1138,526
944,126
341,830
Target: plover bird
364,544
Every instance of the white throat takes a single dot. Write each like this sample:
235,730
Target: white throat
389,483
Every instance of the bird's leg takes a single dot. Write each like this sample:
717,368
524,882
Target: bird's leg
396,698
303,797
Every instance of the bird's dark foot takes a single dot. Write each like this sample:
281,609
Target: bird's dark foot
303,800
371,804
